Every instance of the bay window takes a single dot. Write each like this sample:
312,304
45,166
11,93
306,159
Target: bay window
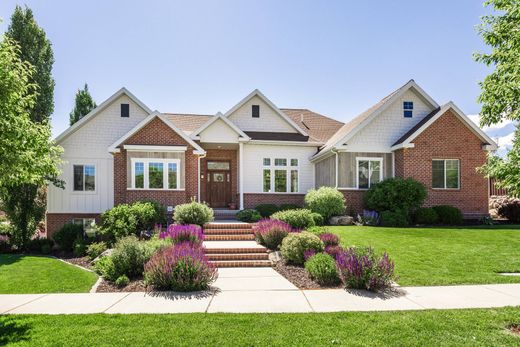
154,173
282,177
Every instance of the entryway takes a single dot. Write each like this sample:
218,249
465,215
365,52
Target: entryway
218,188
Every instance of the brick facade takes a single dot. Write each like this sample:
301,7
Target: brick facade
55,221
220,155
353,201
251,200
448,138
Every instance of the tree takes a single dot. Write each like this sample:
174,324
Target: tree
500,97
83,105
21,196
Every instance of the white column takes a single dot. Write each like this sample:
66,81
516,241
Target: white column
241,174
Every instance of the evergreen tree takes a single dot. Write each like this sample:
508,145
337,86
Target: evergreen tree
83,105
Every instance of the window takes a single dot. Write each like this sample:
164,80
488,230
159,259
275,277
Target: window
152,173
369,172
87,224
125,110
218,165
284,177
408,109
445,173
84,178
255,111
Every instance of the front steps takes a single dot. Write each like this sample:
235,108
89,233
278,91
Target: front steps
225,214
233,245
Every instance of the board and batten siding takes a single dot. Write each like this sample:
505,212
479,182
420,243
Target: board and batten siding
326,172
253,165
89,146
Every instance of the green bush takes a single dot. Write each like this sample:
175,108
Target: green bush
317,218
285,207
426,215
300,218
193,213
160,213
396,218
318,230
106,268
130,255
294,246
322,269
249,216
46,248
266,210
80,247
67,235
122,281
449,215
395,194
326,201
145,215
118,222
95,249
40,244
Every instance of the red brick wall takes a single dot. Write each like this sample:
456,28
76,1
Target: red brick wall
353,201
251,200
448,138
155,133
224,155
55,221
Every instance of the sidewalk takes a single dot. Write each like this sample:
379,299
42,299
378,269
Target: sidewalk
241,290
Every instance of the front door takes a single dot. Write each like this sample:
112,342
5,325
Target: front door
219,184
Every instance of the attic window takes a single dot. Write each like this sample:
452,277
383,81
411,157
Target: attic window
125,110
255,111
408,109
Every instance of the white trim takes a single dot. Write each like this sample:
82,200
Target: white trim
196,134
369,159
102,106
147,148
258,93
445,176
402,146
146,163
241,175
287,168
286,143
81,192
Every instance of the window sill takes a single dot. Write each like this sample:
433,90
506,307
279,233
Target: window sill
81,192
447,189
355,189
155,189
279,193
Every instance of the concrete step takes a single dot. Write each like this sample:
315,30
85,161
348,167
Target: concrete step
238,256
227,232
240,237
242,263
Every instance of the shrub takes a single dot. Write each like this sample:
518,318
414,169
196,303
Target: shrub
266,210
395,194
184,233
80,248
122,281
333,251
193,213
449,215
308,253
95,249
426,215
322,268
285,207
145,214
294,246
326,201
270,232
118,222
180,267
329,239
300,218
318,230
40,244
362,269
130,255
396,218
510,210
160,214
46,248
67,235
317,218
249,216
106,268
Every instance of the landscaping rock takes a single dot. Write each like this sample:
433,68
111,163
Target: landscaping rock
341,220
106,253
275,256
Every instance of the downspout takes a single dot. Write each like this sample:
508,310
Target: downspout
335,151
201,156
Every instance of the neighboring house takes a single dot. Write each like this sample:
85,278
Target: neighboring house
257,153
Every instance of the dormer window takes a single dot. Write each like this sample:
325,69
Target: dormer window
125,110
407,109
255,111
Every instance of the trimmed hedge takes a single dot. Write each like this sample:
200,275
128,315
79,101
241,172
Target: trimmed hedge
426,215
395,194
449,215
295,245
193,213
248,216
396,218
266,210
322,269
300,218
326,201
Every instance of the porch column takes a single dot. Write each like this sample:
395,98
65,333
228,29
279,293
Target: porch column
241,174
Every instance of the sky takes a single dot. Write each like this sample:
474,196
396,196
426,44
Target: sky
336,58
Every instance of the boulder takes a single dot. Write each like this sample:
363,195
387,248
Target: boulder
341,220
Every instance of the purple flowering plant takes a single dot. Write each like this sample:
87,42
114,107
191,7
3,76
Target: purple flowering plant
271,232
183,233
333,251
329,239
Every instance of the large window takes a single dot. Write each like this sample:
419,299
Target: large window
282,177
151,173
84,178
445,173
369,172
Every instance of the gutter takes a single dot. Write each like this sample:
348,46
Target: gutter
335,151
201,156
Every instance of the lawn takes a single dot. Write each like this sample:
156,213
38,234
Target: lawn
22,274
443,256
418,328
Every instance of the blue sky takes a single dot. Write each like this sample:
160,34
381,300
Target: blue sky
334,57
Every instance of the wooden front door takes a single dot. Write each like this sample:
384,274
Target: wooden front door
218,185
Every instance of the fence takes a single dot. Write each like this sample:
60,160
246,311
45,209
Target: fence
493,190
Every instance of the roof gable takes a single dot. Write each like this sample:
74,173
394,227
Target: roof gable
214,121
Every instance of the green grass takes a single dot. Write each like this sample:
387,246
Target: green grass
443,256
417,328
22,274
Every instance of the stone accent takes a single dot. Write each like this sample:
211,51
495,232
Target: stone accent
54,221
495,201
251,200
341,220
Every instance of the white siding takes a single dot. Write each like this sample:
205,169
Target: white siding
89,145
219,132
387,128
253,165
269,120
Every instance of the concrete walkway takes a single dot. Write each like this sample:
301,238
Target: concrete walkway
264,290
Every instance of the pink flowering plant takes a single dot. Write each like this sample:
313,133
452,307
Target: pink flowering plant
333,251
329,239
363,269
271,232
183,233
180,267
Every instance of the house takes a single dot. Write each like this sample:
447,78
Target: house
256,153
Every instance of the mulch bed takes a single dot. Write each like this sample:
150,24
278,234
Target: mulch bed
298,276
514,329
136,285
81,261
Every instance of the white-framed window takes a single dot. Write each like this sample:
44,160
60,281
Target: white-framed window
281,177
84,177
155,173
369,171
407,109
446,173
